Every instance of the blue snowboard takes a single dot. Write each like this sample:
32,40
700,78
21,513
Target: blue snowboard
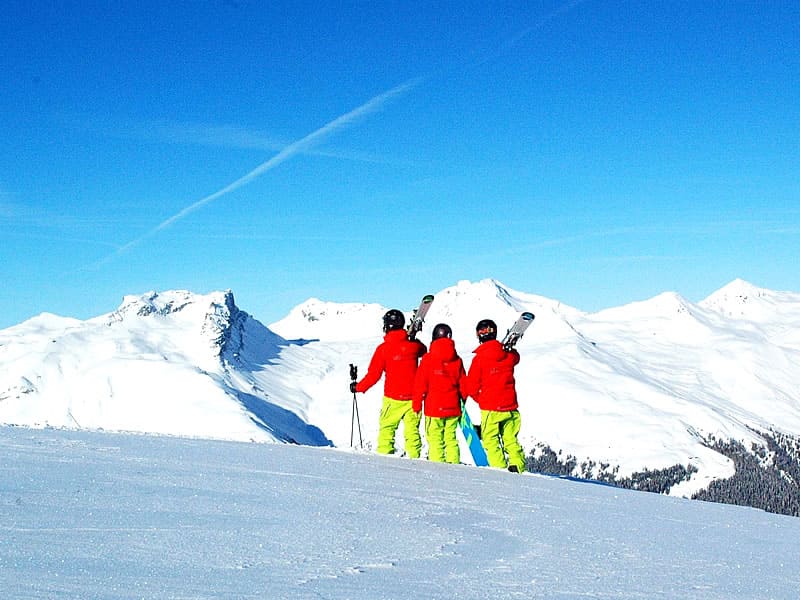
472,439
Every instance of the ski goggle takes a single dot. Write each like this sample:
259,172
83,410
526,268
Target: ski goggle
485,330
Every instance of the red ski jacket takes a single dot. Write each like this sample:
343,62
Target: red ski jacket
439,381
490,381
397,357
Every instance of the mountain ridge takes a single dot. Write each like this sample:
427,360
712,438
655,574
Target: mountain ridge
641,386
159,363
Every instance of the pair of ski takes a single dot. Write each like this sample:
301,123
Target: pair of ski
512,336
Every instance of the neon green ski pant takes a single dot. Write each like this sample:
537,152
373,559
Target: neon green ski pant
442,443
392,413
499,431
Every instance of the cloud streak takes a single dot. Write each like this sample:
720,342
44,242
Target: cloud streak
300,146
537,26
225,136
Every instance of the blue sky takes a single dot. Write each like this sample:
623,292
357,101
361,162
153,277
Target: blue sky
593,152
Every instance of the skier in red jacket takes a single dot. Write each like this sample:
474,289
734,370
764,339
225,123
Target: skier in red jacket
397,357
439,386
491,384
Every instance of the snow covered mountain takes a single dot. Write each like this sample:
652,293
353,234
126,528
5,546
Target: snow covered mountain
170,363
642,386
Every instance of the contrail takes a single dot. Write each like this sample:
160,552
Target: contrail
288,152
510,43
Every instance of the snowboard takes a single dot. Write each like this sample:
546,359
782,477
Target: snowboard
418,317
472,439
514,334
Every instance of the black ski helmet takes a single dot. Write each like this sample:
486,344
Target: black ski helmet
392,320
442,330
486,329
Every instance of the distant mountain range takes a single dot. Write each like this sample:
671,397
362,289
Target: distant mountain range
647,386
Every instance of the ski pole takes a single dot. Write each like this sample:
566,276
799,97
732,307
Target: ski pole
354,414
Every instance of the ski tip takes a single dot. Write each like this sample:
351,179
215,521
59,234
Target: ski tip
528,316
427,299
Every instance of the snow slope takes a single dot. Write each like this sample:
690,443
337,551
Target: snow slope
638,386
172,363
105,516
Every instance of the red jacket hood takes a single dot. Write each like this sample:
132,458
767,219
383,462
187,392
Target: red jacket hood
444,349
395,335
491,350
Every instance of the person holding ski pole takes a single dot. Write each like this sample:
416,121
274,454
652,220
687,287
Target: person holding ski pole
438,386
490,382
397,358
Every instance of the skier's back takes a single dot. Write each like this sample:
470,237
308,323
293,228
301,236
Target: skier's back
439,387
397,358
490,382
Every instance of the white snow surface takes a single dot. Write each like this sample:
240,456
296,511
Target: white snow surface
108,516
173,363
637,386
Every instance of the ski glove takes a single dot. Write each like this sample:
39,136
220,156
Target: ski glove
353,386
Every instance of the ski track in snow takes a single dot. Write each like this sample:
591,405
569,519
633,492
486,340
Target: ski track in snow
93,515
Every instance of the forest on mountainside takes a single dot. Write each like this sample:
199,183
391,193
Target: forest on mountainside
767,476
